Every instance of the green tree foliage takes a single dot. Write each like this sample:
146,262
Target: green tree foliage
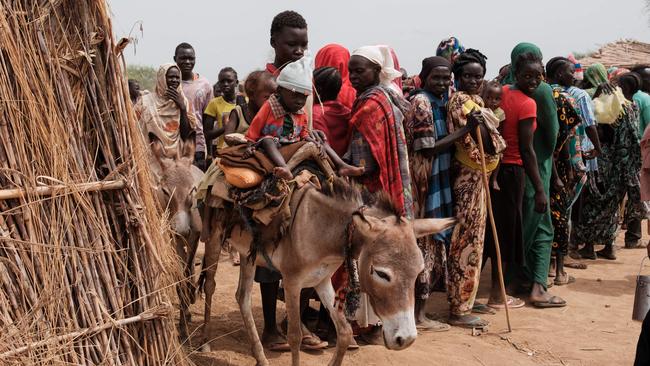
145,75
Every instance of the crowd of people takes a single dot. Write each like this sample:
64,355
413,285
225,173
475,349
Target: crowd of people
561,146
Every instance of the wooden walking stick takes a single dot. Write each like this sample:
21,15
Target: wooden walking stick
494,227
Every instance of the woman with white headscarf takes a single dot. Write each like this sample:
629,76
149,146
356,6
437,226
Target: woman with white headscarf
378,143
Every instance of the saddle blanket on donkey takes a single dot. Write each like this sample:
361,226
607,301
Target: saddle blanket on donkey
263,199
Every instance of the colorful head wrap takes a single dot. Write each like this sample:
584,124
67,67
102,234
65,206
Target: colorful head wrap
596,74
450,48
579,72
337,56
614,72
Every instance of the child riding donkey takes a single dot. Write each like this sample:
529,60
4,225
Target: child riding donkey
282,120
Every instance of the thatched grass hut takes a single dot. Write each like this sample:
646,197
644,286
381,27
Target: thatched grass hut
82,245
622,53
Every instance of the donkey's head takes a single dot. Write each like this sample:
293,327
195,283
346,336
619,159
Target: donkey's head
177,177
389,264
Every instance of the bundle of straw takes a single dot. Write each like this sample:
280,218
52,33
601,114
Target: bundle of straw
82,245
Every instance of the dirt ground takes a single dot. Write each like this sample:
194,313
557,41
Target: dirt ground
596,328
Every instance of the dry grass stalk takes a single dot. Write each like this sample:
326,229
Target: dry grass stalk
81,258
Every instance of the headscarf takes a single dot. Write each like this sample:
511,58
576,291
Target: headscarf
430,63
297,76
450,48
159,115
382,56
397,81
596,74
615,72
337,56
519,49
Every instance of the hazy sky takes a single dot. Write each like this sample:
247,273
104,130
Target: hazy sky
236,33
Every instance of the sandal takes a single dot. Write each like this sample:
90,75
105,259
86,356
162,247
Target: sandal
575,265
432,326
483,309
568,279
587,253
475,322
553,302
513,303
607,254
278,347
312,342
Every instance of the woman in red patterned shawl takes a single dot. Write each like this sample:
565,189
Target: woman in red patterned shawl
378,143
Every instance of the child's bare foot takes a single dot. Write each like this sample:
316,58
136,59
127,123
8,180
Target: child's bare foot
351,171
283,172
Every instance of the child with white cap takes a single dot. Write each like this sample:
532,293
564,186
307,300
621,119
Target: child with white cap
282,120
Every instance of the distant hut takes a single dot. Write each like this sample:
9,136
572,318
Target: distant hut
622,53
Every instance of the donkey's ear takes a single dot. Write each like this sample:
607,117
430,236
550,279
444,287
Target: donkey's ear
188,147
424,227
367,226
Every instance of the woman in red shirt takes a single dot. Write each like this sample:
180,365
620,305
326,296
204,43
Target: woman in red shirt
518,161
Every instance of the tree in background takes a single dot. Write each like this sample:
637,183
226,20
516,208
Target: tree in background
145,75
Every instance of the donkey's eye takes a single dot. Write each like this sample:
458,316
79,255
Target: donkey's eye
381,274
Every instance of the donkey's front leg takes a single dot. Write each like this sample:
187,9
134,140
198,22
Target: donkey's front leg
294,330
246,276
183,289
343,329
210,264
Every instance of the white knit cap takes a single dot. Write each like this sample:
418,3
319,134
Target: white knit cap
297,76
381,56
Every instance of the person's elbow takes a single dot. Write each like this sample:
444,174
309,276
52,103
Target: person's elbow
526,152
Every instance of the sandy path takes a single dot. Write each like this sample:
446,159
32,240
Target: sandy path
595,329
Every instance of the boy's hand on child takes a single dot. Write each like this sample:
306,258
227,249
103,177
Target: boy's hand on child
318,136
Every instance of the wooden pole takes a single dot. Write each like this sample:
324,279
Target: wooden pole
486,185
6,194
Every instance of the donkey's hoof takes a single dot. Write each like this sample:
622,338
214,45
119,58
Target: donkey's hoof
205,348
263,363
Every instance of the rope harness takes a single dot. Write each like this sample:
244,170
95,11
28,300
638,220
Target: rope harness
349,294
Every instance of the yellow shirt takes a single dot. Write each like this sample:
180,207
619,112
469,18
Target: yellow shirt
220,110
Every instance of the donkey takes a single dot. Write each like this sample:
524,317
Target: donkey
176,178
324,225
